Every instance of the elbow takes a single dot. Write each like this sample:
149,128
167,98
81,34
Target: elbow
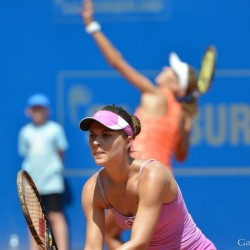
181,156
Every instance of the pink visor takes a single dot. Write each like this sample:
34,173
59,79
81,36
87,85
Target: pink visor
109,120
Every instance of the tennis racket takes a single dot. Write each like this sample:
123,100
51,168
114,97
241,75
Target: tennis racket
207,69
34,212
205,76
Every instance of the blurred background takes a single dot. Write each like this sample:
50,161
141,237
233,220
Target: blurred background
44,48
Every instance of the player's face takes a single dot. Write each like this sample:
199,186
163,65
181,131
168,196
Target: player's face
107,146
38,114
168,78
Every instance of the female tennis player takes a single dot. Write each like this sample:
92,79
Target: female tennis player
159,110
166,123
142,194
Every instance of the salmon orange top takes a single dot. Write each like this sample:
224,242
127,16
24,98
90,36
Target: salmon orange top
159,135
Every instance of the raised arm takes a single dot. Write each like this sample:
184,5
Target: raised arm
94,214
112,55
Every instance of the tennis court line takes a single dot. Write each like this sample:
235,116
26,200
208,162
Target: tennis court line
187,171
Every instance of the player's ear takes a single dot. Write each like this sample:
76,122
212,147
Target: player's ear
129,142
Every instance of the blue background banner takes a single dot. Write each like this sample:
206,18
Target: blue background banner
44,48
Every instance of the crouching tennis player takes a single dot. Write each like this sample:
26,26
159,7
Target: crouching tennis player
142,194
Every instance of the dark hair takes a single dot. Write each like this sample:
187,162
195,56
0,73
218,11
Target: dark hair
132,120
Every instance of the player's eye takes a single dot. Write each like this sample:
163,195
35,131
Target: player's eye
92,136
106,135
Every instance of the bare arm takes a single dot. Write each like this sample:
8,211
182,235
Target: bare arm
113,56
94,215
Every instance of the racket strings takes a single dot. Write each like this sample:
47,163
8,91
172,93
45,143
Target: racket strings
206,71
35,211
208,65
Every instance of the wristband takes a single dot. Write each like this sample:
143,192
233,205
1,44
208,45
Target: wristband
93,27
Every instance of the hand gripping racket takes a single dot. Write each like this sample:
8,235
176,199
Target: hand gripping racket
34,212
205,76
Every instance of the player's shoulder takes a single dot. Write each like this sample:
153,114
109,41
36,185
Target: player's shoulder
153,164
153,167
90,185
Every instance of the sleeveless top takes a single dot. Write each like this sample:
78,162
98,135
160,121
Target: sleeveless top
175,228
159,135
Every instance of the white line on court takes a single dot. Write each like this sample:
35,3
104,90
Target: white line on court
187,171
